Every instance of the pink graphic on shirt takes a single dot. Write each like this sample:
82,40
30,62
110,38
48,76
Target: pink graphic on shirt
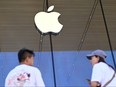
23,76
20,79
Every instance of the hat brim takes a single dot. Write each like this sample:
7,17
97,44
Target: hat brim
89,56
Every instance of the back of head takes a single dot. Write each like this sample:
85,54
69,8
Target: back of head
24,53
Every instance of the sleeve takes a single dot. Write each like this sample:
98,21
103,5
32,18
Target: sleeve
39,80
97,73
6,83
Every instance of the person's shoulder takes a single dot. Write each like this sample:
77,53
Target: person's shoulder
12,71
100,65
29,68
103,64
34,68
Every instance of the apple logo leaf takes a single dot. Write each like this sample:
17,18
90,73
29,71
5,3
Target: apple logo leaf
50,8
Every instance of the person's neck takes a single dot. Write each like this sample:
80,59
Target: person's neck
24,63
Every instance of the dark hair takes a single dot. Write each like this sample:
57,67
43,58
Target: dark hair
24,53
102,60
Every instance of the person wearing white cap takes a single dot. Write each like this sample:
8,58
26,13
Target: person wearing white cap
103,74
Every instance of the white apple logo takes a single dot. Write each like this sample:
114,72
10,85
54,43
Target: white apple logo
48,21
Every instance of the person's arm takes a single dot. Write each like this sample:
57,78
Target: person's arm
95,84
39,80
89,81
97,75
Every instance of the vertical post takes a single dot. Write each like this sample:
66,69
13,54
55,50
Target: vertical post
46,5
107,33
53,66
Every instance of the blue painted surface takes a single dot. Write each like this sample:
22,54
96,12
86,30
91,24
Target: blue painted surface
72,68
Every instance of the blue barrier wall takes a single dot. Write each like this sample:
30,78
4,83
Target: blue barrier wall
71,68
